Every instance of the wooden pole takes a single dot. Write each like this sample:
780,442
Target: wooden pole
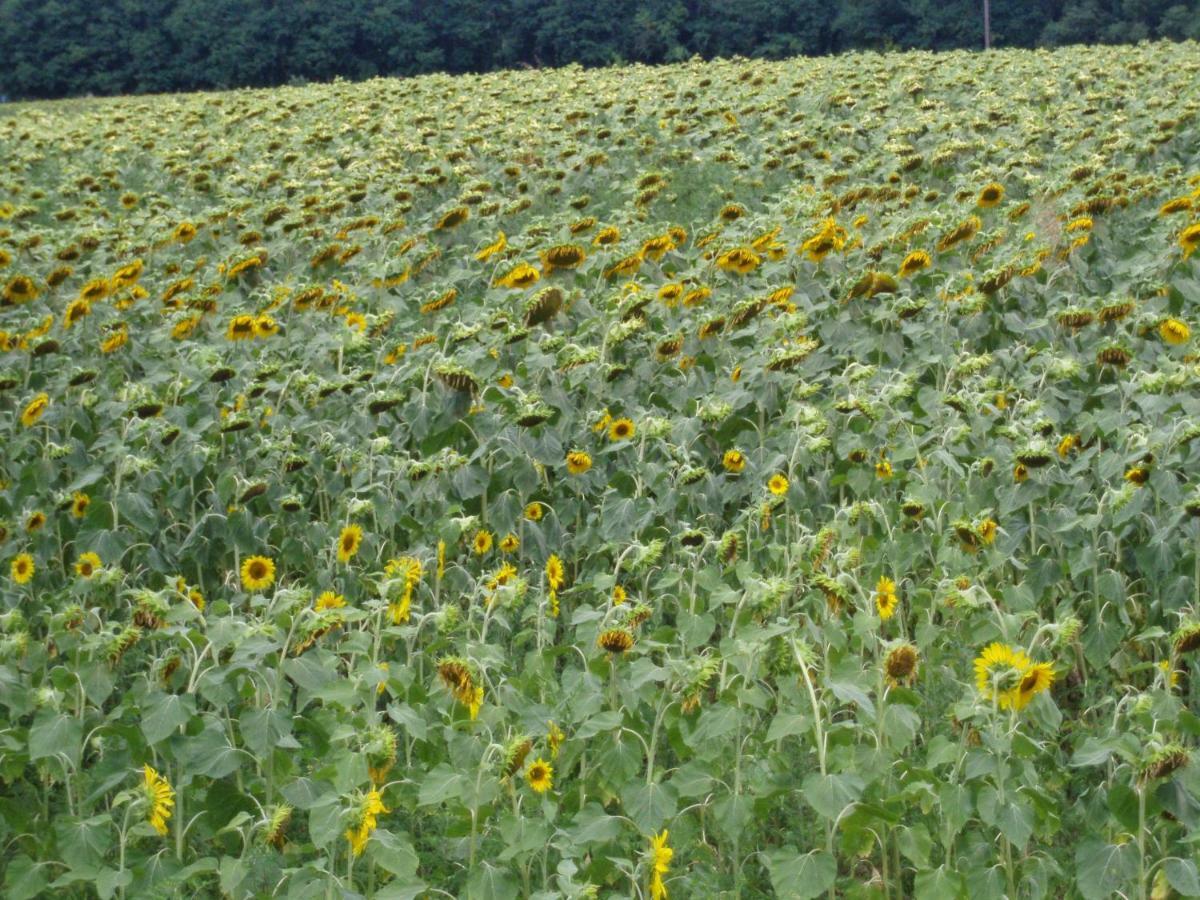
987,25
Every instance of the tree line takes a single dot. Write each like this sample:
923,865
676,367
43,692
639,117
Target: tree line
61,48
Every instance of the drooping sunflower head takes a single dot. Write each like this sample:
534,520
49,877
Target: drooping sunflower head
615,640
1186,637
901,663
1174,331
913,263
258,573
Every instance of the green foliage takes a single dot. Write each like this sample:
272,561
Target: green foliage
58,48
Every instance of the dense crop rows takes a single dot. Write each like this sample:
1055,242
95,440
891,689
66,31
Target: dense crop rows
733,479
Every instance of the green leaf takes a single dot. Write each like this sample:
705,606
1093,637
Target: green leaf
53,734
24,879
916,844
396,855
1183,876
649,805
108,880
788,724
800,876
166,713
441,784
1012,816
829,795
941,884
1103,869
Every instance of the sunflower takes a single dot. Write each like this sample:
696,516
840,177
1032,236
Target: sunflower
370,805
1174,332
578,462
778,484
1036,678
606,236
184,232
900,665
241,328
22,568
1189,239
615,640
742,260
520,277
999,673
329,600
509,543
914,263
660,863
562,256
619,595
35,521
987,531
258,573
76,311
482,542
453,218
620,429
734,461
885,597
534,511
497,246
348,543
34,409
87,564
128,274
540,775
883,469
160,798
20,289
1020,473
1067,444
555,573
990,196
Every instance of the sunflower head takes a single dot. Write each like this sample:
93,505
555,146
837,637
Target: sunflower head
348,543
258,573
615,640
540,775
900,665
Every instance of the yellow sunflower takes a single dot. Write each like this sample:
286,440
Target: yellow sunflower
34,409
999,671
885,597
329,600
540,775
1174,332
1036,678
79,504
620,429
534,511
87,565
348,543
778,484
660,863
990,196
578,462
258,573
734,461
22,568
160,798
482,542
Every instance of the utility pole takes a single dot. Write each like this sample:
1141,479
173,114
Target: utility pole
987,24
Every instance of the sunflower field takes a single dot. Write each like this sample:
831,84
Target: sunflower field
733,479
